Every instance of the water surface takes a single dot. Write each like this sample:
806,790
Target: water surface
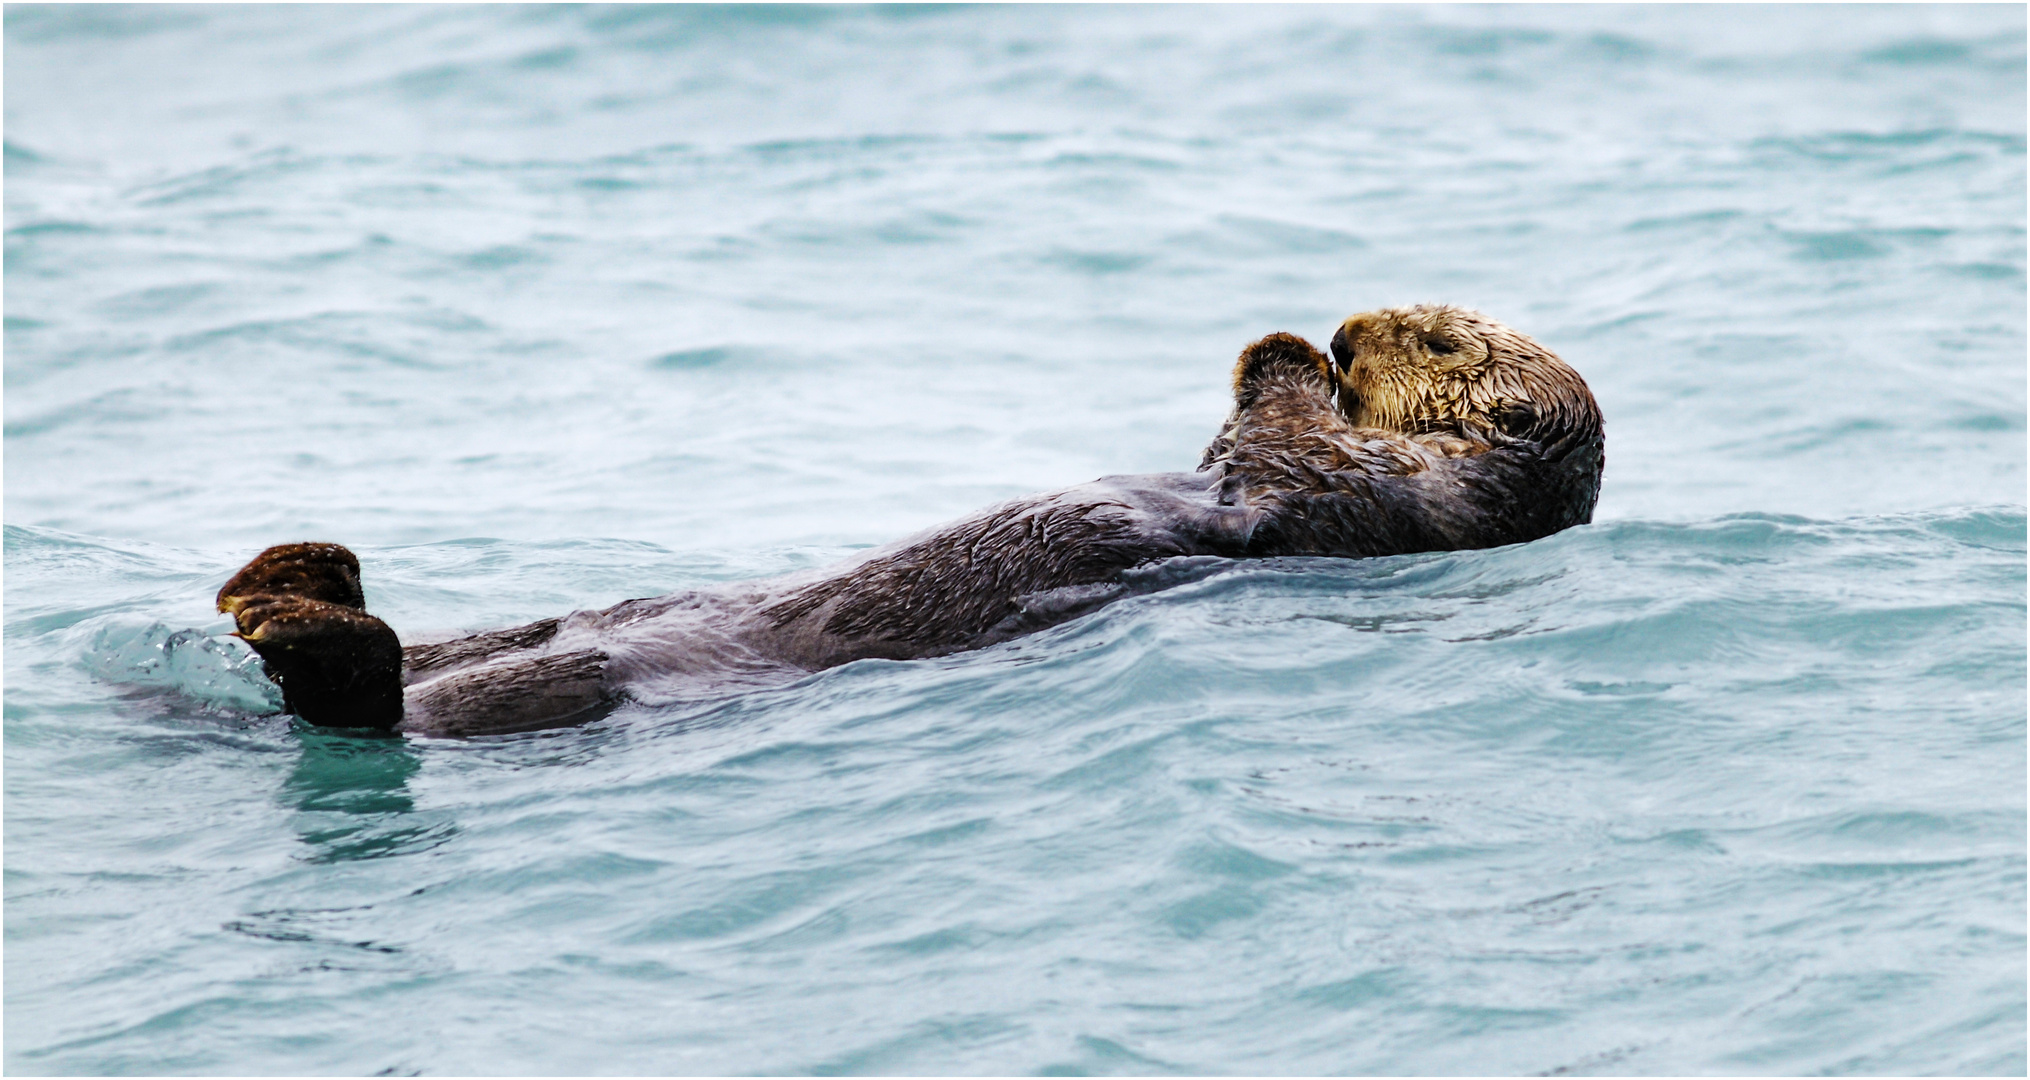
544,308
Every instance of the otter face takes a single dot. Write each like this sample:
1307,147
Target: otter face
1431,367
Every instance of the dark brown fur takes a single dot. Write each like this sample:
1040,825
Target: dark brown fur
419,661
326,572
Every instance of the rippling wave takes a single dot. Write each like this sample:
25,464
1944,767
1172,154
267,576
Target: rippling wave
544,308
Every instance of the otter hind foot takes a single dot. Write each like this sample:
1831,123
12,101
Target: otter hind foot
300,607
326,572
337,666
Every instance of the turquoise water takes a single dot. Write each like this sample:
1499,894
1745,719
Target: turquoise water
544,308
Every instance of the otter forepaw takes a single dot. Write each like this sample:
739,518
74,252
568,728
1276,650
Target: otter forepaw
1279,356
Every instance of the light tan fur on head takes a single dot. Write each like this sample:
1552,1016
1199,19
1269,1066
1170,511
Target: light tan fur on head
1429,367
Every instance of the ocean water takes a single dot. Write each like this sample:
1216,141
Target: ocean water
543,308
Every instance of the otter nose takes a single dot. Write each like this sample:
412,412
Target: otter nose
1342,351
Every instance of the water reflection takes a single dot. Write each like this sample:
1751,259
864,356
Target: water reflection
351,793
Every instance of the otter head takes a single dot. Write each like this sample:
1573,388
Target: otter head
1437,368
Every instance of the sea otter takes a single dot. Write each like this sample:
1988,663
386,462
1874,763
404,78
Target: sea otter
1428,428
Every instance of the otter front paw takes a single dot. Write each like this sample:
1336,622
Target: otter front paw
1279,359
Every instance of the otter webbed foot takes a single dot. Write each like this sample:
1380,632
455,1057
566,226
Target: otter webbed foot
326,572
301,608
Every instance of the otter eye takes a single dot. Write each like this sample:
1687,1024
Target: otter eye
1515,419
1441,346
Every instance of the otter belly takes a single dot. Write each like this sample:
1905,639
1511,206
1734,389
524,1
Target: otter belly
1005,571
